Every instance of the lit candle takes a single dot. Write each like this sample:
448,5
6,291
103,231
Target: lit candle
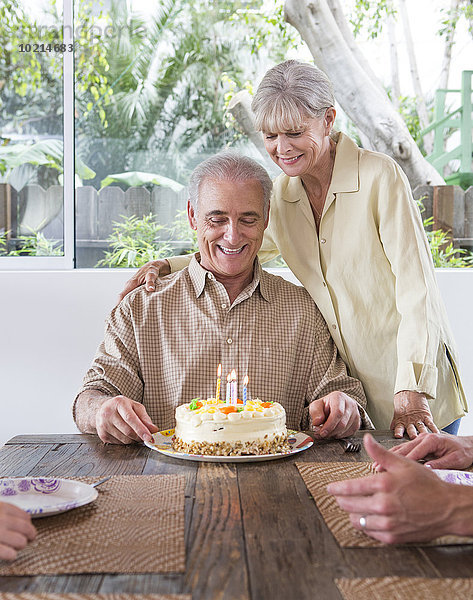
233,388
219,382
227,394
245,389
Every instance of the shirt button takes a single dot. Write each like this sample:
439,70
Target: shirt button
323,240
229,341
210,276
224,305
334,326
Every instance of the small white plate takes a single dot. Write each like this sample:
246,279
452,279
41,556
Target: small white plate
298,442
452,476
44,496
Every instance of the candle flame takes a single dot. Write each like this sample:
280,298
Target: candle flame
233,375
246,380
219,370
228,378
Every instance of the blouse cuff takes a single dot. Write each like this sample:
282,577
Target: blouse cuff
178,263
416,377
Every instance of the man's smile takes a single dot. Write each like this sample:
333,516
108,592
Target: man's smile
230,251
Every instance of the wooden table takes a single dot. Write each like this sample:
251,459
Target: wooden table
252,529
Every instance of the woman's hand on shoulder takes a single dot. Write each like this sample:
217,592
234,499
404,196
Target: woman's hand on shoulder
147,276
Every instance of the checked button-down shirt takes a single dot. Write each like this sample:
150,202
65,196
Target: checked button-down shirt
163,348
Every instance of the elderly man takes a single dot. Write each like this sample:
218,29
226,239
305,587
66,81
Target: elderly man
162,349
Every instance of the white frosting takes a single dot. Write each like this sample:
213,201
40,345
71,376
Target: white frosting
253,422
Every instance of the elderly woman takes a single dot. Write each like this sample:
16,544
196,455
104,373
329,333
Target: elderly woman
344,220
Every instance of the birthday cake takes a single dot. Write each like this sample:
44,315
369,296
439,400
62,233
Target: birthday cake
222,429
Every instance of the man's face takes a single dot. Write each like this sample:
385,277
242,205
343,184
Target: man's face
230,226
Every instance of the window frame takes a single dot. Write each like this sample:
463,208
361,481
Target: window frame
67,261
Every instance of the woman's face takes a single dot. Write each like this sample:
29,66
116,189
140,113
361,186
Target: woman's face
301,152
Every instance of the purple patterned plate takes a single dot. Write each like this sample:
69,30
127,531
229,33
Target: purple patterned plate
452,476
44,496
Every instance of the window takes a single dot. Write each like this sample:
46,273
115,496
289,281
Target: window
36,135
152,80
97,144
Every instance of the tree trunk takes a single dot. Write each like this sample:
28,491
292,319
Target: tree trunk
240,107
363,101
420,99
336,9
395,83
449,41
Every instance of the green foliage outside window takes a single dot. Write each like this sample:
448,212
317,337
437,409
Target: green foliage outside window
33,244
135,242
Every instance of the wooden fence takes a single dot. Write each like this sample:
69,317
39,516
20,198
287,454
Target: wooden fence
452,210
96,211
34,209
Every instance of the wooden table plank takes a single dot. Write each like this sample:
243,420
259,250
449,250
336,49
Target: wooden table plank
79,584
78,460
216,560
55,438
19,460
168,583
451,561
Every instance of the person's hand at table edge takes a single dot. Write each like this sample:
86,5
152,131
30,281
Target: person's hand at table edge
411,415
336,415
16,530
406,502
147,276
439,450
120,420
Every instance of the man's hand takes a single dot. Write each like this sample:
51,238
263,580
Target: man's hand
442,450
405,503
411,415
147,275
335,415
16,530
120,420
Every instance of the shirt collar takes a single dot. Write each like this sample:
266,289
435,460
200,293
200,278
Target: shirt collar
345,175
199,276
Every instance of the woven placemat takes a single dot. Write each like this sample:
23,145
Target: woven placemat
69,596
136,525
318,475
400,588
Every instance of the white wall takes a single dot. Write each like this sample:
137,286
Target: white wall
52,321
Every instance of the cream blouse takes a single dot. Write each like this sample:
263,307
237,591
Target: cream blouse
370,272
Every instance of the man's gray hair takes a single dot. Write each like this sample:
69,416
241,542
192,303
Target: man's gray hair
229,166
288,94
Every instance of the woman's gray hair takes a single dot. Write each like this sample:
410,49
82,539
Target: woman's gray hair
288,94
229,166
